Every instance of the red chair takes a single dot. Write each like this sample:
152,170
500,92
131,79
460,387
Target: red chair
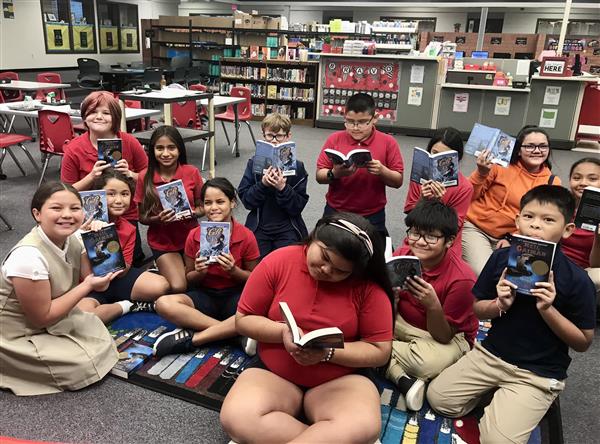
11,95
55,131
202,113
50,77
588,126
8,140
185,115
244,112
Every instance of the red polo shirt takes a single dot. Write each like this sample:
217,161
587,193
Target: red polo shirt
80,157
126,233
578,247
172,236
242,246
458,197
361,193
452,281
361,309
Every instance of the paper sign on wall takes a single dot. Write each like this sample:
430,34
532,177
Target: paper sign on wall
552,95
416,73
548,118
461,103
415,95
502,107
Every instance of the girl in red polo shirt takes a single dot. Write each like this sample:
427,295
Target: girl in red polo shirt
132,289
101,116
338,279
458,197
208,310
167,162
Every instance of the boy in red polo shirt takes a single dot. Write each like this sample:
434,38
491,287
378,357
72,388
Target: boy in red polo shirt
435,324
361,190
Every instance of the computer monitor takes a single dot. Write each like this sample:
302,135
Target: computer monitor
459,54
524,55
502,55
480,54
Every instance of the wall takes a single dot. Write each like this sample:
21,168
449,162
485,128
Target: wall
526,21
22,39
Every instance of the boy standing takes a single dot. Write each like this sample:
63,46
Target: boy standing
361,190
275,201
526,353
435,324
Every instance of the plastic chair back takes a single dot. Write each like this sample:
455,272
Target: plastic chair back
245,108
89,73
50,77
198,87
11,95
152,77
185,115
55,131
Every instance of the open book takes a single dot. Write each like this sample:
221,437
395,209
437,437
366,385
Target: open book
282,156
588,211
500,144
104,250
358,157
441,167
321,338
401,267
529,261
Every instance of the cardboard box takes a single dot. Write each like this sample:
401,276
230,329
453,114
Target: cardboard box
273,23
242,20
259,22
169,20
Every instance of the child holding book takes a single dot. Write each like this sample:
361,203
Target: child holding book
498,190
435,324
207,311
275,201
134,289
308,394
525,355
167,162
80,166
458,197
46,344
361,190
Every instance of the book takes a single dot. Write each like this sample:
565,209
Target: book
214,239
328,337
441,167
95,205
500,144
358,157
282,156
401,267
588,211
529,261
104,250
131,359
272,92
110,150
172,196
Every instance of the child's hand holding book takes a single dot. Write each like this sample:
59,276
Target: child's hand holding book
302,355
506,292
433,190
545,292
484,162
422,291
341,170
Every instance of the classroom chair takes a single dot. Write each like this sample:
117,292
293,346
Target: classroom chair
50,77
185,115
244,113
89,76
55,131
11,95
7,141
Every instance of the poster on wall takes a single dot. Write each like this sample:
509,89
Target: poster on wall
58,37
417,73
344,78
129,39
502,107
548,118
415,95
8,8
552,95
461,103
83,38
109,38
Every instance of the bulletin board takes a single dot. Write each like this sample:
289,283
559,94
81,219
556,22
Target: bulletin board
83,38
109,39
57,37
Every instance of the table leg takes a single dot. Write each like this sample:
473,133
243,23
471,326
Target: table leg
211,142
237,130
168,114
123,117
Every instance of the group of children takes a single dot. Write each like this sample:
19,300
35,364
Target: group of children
334,276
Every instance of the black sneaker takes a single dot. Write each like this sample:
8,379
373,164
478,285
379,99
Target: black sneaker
413,390
176,341
142,306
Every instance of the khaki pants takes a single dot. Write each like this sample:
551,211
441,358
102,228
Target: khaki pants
517,407
594,274
477,246
416,353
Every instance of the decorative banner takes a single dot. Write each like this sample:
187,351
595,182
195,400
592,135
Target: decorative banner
502,107
129,39
461,103
344,78
548,118
57,35
83,38
109,38
9,9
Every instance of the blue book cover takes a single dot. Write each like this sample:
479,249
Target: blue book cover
499,143
172,196
282,156
440,167
131,359
214,239
110,150
104,250
95,205
529,261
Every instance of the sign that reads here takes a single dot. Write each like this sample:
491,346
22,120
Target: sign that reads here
554,66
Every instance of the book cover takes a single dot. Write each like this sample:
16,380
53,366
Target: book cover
254,51
529,261
441,167
401,267
172,196
282,156
95,205
359,157
214,239
131,359
104,250
588,211
500,144
110,150
329,337
272,92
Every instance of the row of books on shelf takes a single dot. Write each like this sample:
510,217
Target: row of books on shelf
260,110
298,75
259,90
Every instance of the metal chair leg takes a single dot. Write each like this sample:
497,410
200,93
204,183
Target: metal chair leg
46,160
5,222
16,160
251,133
204,153
37,168
225,131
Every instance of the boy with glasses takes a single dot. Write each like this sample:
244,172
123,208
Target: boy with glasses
434,323
275,201
361,190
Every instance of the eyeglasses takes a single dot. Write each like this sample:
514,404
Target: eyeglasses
429,238
278,137
357,123
530,148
